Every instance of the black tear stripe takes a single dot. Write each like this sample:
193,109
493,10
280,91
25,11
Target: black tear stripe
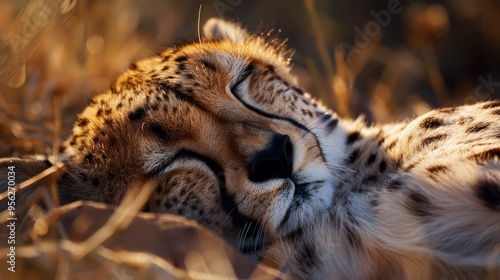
234,90
227,201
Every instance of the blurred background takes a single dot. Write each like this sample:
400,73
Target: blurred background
385,59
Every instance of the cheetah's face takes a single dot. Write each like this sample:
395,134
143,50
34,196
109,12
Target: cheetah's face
220,124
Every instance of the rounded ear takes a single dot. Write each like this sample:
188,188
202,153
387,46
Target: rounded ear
219,29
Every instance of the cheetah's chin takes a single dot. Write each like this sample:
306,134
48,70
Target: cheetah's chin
304,204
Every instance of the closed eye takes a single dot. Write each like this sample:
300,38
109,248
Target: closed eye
244,75
184,155
235,91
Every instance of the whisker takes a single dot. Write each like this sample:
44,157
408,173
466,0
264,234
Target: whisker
244,232
256,241
199,33
223,222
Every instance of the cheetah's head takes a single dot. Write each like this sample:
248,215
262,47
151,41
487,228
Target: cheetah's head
222,127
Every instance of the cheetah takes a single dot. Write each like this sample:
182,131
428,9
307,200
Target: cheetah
232,142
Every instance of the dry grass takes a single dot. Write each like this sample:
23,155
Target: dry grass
53,62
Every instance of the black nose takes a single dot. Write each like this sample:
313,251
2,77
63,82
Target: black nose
275,161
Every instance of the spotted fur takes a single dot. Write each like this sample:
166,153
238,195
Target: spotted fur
235,144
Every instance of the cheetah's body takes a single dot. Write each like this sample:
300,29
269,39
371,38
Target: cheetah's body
416,197
233,143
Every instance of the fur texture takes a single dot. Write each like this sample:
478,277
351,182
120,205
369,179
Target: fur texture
236,145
